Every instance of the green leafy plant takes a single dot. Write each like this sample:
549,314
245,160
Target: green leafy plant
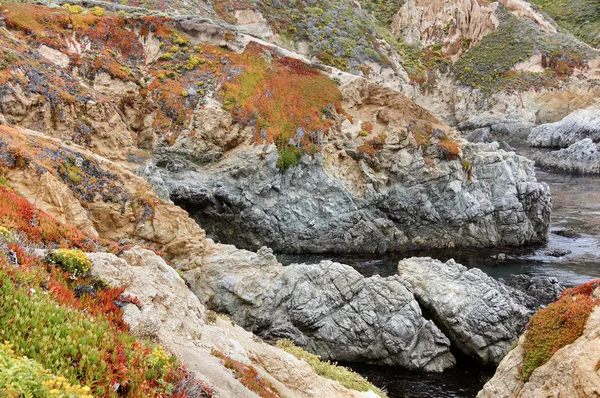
345,376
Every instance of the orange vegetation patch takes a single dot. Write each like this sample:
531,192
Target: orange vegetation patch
556,326
284,99
248,376
38,228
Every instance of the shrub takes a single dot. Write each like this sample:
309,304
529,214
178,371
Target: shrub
97,11
166,56
551,328
73,261
345,376
23,377
7,235
73,9
288,157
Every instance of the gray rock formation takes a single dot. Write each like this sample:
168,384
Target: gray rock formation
534,292
490,131
477,312
405,195
245,200
580,158
327,308
573,128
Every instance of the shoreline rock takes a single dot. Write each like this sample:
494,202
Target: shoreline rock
477,312
327,308
405,197
581,157
573,128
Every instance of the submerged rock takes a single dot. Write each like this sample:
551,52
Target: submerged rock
573,128
477,312
580,158
327,308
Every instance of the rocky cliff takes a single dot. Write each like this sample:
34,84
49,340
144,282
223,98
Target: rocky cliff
408,183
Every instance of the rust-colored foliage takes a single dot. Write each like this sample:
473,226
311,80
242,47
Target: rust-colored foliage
37,227
284,99
558,325
248,376
367,127
373,146
587,289
449,149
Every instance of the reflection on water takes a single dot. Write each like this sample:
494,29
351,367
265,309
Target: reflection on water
576,205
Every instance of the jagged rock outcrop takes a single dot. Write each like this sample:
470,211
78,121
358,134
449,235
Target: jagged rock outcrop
404,195
571,372
173,316
573,128
534,292
581,157
327,308
476,312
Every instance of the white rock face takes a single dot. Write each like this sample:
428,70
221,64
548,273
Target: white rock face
582,157
429,22
59,58
575,127
252,22
477,312
173,316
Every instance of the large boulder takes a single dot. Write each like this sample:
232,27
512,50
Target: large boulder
352,197
581,157
573,128
477,312
326,308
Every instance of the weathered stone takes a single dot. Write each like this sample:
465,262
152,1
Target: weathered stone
477,312
580,158
327,308
341,200
173,316
573,128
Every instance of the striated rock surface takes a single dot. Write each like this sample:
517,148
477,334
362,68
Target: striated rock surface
404,195
581,157
172,315
327,308
573,128
477,312
571,372
534,292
